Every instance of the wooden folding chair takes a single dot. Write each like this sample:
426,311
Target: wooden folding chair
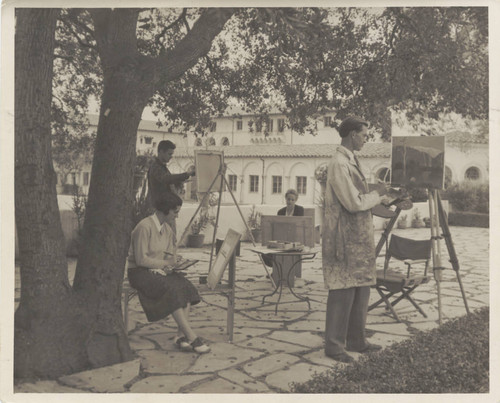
391,283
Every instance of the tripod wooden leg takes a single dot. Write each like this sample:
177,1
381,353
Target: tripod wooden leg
205,197
248,229
436,249
216,220
387,231
451,248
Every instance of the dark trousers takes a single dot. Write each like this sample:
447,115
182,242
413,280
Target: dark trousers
346,312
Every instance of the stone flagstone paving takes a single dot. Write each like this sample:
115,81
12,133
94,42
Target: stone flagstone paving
269,350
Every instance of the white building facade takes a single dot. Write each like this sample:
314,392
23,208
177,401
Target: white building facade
264,162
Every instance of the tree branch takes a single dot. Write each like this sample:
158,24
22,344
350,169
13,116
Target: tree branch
181,17
77,37
73,14
195,44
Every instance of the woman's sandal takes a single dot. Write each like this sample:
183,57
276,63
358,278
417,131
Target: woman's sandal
199,347
183,343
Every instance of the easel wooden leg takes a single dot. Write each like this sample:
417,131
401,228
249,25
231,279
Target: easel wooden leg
202,203
436,249
216,220
385,235
231,297
451,248
248,229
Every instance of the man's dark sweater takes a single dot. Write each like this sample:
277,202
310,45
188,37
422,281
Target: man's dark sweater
161,181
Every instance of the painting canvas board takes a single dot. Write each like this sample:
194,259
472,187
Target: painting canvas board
291,229
207,164
222,259
418,161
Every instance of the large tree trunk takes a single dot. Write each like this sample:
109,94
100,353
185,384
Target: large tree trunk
108,219
49,331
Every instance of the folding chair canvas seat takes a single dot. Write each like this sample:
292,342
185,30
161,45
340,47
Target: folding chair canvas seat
398,285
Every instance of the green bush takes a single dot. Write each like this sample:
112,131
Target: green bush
453,358
463,219
469,196
418,195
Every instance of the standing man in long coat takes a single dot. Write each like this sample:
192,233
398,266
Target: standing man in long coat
348,245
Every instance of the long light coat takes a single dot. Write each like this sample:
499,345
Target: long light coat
347,239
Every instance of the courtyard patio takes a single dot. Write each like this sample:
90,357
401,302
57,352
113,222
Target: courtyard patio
269,350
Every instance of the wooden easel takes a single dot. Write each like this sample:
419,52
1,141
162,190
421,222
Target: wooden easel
438,220
221,175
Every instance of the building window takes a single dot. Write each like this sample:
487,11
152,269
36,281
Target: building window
86,177
148,140
211,141
327,120
213,127
277,184
472,174
232,181
198,142
254,183
281,125
301,185
225,141
384,174
141,140
270,125
239,125
73,178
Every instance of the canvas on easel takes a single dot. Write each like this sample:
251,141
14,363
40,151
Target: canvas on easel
418,161
207,165
222,259
210,172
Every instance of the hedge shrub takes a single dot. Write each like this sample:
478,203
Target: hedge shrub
469,196
453,358
463,219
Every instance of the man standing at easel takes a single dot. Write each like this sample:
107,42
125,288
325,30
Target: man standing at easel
348,245
160,180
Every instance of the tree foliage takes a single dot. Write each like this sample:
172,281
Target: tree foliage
424,62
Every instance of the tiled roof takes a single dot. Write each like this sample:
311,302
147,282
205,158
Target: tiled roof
370,150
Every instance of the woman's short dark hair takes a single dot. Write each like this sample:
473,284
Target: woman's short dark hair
351,123
169,201
292,192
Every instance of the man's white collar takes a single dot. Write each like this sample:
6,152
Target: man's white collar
347,152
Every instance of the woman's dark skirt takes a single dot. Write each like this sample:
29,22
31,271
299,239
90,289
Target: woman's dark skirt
161,295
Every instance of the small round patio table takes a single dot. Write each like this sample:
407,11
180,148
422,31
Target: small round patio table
285,273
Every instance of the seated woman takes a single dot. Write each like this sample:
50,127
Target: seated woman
291,208
162,292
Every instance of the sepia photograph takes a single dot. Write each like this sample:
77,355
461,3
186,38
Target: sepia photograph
212,200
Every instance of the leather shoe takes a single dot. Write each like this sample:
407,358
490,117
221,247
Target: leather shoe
368,349
342,357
